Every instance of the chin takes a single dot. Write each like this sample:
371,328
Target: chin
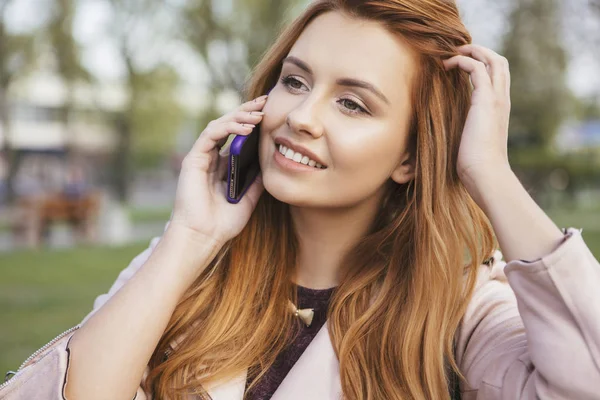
300,197
279,189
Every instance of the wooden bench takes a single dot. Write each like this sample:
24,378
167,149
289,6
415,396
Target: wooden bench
33,216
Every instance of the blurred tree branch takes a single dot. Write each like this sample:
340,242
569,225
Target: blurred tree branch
67,55
230,40
16,54
151,116
538,64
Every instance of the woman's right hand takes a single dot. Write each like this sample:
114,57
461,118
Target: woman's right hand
201,206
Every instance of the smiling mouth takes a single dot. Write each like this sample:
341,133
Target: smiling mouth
298,157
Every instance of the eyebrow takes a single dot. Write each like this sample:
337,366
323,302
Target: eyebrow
352,82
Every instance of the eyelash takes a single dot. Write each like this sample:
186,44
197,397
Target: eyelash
287,80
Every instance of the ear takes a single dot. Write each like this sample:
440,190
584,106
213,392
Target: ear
405,171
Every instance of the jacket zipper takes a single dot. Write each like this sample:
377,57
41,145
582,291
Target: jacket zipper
7,380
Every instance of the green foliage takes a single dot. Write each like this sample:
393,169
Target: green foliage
152,116
17,51
538,63
584,166
156,115
242,32
17,55
587,108
66,50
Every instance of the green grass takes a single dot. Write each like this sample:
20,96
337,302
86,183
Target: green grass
142,215
588,220
46,292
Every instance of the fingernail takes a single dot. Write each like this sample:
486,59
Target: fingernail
257,113
261,98
249,125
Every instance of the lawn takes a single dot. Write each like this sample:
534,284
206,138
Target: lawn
143,215
46,292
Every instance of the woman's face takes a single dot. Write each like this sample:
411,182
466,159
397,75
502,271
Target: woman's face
343,100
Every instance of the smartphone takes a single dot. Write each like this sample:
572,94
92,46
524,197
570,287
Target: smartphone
243,164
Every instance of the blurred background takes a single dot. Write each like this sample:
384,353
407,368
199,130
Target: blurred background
101,99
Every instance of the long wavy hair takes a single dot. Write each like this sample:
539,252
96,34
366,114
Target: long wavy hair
405,286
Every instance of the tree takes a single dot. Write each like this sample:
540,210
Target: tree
538,64
16,52
66,52
157,115
151,115
231,38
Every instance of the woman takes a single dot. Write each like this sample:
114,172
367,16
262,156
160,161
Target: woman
387,238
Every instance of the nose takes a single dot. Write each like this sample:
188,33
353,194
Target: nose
303,119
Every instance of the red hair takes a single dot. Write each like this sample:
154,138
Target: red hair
406,284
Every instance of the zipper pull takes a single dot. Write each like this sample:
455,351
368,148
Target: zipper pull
9,375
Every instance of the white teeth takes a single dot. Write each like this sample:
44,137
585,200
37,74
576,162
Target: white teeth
298,157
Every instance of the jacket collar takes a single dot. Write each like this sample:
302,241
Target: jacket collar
316,375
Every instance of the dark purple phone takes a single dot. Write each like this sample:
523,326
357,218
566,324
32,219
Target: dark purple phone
243,164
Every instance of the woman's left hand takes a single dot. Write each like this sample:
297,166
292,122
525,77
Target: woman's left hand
483,151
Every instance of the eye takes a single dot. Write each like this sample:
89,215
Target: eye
352,106
292,83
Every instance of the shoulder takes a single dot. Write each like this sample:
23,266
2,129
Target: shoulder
492,295
491,321
491,291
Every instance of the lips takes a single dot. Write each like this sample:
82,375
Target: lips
299,149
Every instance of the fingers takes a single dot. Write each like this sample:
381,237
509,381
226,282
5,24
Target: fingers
479,76
238,115
497,66
249,111
239,122
479,53
216,131
486,67
255,104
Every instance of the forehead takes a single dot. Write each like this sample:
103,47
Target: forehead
336,45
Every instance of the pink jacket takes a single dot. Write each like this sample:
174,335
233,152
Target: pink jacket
531,331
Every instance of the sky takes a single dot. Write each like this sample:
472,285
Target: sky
101,58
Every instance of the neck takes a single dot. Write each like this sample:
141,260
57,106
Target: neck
325,236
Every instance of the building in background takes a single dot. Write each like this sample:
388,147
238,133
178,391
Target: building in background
44,144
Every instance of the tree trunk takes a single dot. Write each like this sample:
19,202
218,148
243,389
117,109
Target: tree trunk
122,164
125,125
9,153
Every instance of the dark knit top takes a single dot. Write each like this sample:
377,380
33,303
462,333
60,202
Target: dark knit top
307,298
319,300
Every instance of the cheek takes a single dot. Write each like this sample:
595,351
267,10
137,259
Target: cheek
267,127
275,113
367,150
361,165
